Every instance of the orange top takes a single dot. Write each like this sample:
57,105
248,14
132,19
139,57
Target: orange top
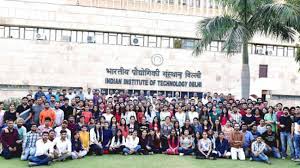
47,113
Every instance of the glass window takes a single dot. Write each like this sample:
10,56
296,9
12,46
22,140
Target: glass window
126,39
119,40
52,35
14,32
214,46
152,41
105,38
1,31
79,37
99,38
280,51
263,71
58,35
6,33
259,49
158,44
73,36
85,37
290,51
270,51
171,42
187,43
66,35
112,38
165,42
91,37
29,33
22,30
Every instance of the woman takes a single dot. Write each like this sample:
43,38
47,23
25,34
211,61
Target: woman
96,112
270,118
106,137
164,113
132,126
78,151
123,127
11,114
154,141
222,146
150,114
144,143
224,117
155,124
84,137
140,111
204,148
173,143
193,114
177,128
206,126
129,113
113,125
180,116
117,112
186,144
187,126
257,116
227,129
195,143
132,144
217,127
96,139
248,119
261,128
204,114
107,115
165,133
214,115
117,143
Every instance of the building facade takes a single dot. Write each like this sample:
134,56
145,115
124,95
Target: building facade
132,44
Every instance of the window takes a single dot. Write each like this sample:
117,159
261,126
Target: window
263,71
112,38
66,36
58,35
99,38
85,37
79,37
137,40
6,33
152,41
126,39
187,43
52,35
214,46
119,40
290,51
280,51
165,42
29,33
105,38
1,31
22,33
73,36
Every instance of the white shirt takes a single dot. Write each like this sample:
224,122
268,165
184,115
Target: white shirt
88,96
59,113
2,117
150,118
128,115
193,115
236,117
180,118
131,143
107,116
118,143
93,136
70,97
164,114
43,148
297,128
62,146
57,132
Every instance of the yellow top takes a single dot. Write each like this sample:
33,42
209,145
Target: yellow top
85,139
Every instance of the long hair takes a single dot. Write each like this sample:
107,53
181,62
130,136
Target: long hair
174,137
118,138
100,132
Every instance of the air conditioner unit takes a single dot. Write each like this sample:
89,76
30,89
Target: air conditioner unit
66,38
91,39
40,36
136,42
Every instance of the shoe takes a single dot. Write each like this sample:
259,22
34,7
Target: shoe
297,160
268,162
283,158
292,159
151,153
49,163
31,164
125,154
181,154
251,159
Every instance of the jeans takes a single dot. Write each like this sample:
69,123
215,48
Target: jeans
96,149
28,152
185,151
275,152
286,139
127,150
9,154
297,146
39,160
261,157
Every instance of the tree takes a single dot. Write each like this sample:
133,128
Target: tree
244,19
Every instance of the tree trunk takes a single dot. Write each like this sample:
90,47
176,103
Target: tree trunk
245,74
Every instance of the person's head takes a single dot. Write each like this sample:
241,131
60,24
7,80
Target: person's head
254,128
64,124
204,135
47,121
20,122
71,119
186,132
134,134
236,127
262,122
81,119
259,139
45,136
119,133
10,124
167,120
66,100
217,122
84,128
40,89
63,134
173,132
132,120
98,125
33,127
47,105
1,105
51,134
144,133
57,105
228,123
24,100
244,127
152,132
123,121
221,135
248,111
286,111
198,135
269,128
12,107
76,135
106,125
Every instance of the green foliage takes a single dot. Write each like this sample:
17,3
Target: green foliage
7,102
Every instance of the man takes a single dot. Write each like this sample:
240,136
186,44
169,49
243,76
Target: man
23,107
88,95
285,128
44,152
46,127
22,131
59,115
272,142
297,133
62,147
248,138
47,112
49,95
29,143
36,110
236,143
1,115
64,127
9,138
235,115
80,94
39,93
70,94
68,110
52,101
257,151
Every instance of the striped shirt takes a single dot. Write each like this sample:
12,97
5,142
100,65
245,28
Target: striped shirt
30,139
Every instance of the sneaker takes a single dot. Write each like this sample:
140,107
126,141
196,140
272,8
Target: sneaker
151,153
251,159
283,158
125,154
31,164
181,154
292,159
297,160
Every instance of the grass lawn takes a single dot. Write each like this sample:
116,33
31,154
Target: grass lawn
153,161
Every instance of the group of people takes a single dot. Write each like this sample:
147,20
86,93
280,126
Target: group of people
70,124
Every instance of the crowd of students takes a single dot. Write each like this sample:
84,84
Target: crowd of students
71,124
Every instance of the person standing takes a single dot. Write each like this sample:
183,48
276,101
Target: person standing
36,110
236,143
47,112
297,133
257,151
59,113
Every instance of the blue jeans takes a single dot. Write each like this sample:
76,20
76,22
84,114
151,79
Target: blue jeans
275,152
39,160
28,152
9,154
297,146
96,149
286,139
136,149
261,157
185,151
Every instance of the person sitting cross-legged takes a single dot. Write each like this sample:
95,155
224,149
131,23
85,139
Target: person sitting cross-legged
257,151
132,144
78,151
62,147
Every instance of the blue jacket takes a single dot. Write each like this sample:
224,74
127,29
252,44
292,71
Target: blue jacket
222,146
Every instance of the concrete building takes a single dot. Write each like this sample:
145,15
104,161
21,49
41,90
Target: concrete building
131,44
